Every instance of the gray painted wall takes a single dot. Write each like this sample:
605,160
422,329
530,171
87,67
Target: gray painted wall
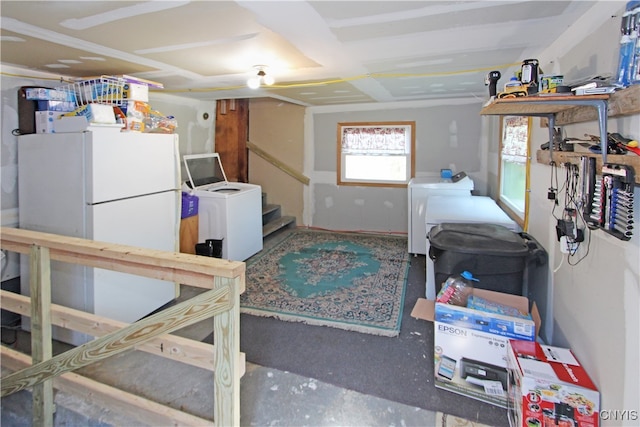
596,300
448,135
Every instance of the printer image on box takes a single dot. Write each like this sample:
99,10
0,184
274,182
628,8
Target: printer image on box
477,372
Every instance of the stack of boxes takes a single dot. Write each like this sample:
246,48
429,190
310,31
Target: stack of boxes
118,101
493,356
470,346
39,107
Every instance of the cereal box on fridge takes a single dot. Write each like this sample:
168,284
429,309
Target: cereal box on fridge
549,388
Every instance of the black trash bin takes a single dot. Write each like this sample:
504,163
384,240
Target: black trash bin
495,255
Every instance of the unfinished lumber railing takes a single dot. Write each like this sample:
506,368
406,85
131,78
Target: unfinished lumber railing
224,281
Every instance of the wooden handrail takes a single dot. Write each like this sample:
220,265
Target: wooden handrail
170,266
277,163
184,350
200,307
224,281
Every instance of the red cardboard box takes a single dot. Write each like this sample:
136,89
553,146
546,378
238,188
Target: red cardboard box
549,388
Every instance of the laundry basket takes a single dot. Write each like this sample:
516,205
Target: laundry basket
99,90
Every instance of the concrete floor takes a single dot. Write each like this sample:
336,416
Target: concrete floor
268,397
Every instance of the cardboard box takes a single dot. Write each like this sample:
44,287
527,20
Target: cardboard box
136,92
46,94
493,323
470,351
63,106
45,121
548,387
95,113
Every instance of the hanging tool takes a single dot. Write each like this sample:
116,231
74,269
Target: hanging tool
615,144
492,81
625,143
611,208
559,142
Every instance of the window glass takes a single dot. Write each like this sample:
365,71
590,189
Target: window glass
376,153
514,167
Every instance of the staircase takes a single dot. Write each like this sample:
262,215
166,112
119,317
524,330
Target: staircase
272,219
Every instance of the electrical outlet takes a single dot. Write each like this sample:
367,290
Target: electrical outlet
567,246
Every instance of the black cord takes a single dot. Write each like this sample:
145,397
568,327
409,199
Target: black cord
587,238
571,204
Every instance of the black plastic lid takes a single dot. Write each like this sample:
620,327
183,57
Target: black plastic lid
478,238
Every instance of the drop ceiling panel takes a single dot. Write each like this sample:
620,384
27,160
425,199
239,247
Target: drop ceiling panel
374,51
335,12
454,85
55,58
431,17
334,91
265,48
444,63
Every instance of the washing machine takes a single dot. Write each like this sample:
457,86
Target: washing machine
420,189
227,211
472,209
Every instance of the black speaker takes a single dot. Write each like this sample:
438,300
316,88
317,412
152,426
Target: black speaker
26,112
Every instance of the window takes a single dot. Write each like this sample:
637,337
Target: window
376,154
514,168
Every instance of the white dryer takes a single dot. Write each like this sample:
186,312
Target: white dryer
227,211
474,209
420,189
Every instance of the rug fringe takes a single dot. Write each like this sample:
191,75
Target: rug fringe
322,322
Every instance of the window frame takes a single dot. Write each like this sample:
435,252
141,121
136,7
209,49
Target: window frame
410,136
520,121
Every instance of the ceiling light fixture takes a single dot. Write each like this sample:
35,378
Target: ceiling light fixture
260,78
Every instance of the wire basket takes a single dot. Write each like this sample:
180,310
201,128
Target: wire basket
101,90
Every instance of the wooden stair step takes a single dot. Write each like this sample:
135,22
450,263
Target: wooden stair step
269,208
277,224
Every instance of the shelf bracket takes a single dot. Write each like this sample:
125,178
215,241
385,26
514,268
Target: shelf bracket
601,106
552,126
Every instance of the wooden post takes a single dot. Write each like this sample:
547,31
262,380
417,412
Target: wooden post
171,319
41,344
227,373
227,278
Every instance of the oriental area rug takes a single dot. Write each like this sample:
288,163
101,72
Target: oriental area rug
349,281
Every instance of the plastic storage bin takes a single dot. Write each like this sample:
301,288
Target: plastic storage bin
189,205
497,256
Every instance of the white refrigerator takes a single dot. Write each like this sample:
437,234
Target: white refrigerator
107,186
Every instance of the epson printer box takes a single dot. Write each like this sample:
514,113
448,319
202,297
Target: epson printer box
470,346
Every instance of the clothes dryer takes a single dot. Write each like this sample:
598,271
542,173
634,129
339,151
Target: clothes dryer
227,211
420,189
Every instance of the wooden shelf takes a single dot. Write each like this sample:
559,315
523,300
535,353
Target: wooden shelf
621,103
567,109
542,156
